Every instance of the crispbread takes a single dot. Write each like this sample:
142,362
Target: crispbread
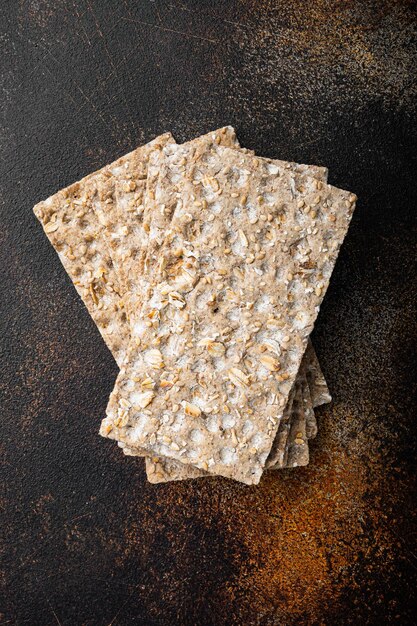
300,242
165,469
308,410
297,453
315,378
74,231
79,223
156,221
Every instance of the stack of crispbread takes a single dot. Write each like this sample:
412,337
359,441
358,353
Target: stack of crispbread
204,267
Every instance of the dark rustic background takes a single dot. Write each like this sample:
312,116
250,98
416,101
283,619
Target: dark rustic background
86,540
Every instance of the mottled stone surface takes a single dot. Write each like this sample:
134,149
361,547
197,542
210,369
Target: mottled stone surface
85,539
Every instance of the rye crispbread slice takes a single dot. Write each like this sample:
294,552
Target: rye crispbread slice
304,223
156,221
317,383
87,227
279,450
297,453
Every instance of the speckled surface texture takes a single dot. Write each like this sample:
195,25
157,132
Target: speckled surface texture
85,539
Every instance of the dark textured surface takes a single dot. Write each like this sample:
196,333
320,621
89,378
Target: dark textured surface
85,539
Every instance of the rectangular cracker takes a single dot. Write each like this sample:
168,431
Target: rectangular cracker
317,383
278,453
122,216
297,453
156,221
300,224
